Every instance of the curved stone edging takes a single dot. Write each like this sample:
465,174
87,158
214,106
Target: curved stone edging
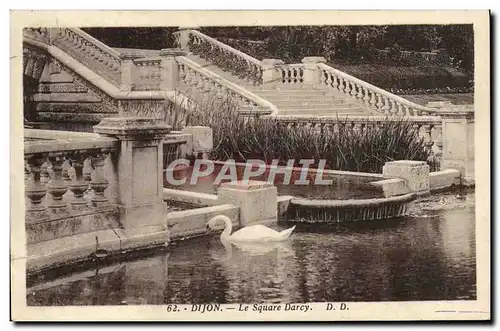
352,202
337,211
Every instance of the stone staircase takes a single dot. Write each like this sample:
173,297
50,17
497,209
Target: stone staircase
81,80
294,100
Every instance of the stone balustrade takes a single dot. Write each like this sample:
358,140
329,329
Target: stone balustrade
371,96
429,128
290,73
228,58
97,56
64,176
202,85
87,187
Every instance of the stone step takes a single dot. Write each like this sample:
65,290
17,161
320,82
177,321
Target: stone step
61,87
332,111
315,106
77,107
66,97
305,100
289,92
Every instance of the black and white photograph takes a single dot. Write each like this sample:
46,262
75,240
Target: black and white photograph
250,170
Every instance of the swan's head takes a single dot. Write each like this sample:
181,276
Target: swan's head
215,220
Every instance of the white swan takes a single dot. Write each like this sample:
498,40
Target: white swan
253,233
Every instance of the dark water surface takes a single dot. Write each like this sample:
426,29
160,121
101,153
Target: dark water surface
428,256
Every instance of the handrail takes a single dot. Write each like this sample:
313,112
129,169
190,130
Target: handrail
237,89
64,141
356,119
231,49
394,99
96,42
102,84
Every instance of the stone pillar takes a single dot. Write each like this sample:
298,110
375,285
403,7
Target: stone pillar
170,69
257,200
312,74
415,173
182,37
458,142
127,73
202,140
139,172
269,73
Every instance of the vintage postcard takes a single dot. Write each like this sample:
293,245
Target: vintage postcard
250,165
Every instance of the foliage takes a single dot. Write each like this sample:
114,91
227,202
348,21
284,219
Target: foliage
346,149
136,37
355,43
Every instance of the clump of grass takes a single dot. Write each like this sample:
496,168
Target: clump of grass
268,139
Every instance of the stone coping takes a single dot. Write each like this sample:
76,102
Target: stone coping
132,126
353,202
60,145
246,185
334,118
374,176
406,163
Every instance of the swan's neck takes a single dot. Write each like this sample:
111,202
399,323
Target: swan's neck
227,229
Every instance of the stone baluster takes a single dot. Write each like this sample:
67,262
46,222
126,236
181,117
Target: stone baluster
359,96
65,171
35,190
379,103
386,106
335,81
393,108
98,183
87,172
78,185
354,91
428,142
366,96
57,186
373,100
44,174
438,140
27,172
347,88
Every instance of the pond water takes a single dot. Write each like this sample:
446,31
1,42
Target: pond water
341,187
427,256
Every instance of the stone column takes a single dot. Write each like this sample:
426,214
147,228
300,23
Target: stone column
139,174
127,73
458,139
257,200
182,37
269,73
415,173
201,142
458,142
170,69
312,74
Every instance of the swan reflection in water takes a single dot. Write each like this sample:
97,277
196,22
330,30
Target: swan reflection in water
257,262
257,272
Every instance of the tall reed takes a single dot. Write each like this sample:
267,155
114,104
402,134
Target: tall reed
268,139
